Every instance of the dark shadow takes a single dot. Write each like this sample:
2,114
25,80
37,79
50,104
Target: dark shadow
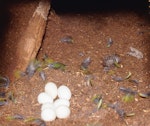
4,20
98,5
5,24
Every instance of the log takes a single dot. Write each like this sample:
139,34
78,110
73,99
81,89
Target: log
30,41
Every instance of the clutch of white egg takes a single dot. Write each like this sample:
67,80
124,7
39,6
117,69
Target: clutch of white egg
55,102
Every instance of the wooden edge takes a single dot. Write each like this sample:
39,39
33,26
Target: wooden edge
31,39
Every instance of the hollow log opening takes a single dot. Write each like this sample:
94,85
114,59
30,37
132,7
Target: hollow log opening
99,49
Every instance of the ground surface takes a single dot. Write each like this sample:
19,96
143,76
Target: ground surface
90,33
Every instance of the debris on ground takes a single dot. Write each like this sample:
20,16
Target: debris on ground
4,82
109,42
94,124
97,99
117,78
67,39
89,79
85,64
121,112
128,76
128,98
127,90
36,122
11,96
16,116
129,94
39,66
3,101
134,81
135,53
57,65
42,75
18,74
145,95
32,67
111,61
6,97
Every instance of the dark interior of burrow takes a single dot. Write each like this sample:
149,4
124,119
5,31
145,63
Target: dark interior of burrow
96,5
104,48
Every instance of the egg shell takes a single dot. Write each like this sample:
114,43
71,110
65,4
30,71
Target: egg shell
47,106
60,102
48,115
62,112
64,92
44,98
51,89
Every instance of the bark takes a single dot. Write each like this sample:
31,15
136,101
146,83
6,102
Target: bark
30,42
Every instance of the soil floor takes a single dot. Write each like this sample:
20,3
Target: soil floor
90,33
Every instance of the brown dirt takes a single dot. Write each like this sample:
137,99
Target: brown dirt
15,19
90,32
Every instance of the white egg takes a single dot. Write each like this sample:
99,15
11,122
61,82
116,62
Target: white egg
48,115
47,106
44,98
62,112
51,89
60,102
64,92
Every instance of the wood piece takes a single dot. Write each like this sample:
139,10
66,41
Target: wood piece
31,39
